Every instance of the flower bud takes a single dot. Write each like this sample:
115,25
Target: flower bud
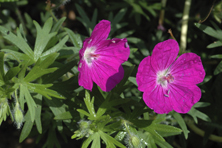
135,141
132,140
84,124
18,116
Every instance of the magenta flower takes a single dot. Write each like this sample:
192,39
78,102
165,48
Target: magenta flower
101,59
169,83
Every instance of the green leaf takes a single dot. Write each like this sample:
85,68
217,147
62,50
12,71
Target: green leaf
89,104
42,38
208,30
110,141
195,113
181,122
57,47
38,110
12,73
149,140
84,19
43,90
26,128
88,141
59,72
18,41
215,44
39,69
30,102
63,116
133,80
56,105
218,68
162,144
96,141
75,38
14,55
21,74
2,72
166,130
84,112
201,104
218,56
58,24
37,72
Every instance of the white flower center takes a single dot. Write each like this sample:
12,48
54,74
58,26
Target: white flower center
90,55
163,78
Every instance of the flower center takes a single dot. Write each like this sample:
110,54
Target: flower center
163,78
90,55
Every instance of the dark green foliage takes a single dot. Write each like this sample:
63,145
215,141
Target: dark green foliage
39,56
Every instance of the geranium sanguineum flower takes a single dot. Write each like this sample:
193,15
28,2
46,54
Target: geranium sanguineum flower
101,59
169,83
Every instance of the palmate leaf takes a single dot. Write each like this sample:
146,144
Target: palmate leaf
75,38
30,102
18,41
197,114
156,129
43,37
89,25
40,68
209,30
43,90
218,68
27,127
181,122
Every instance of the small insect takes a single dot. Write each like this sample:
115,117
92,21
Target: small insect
8,32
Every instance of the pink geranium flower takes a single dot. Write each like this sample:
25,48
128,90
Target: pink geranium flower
101,59
169,83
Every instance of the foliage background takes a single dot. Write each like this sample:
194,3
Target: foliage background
136,20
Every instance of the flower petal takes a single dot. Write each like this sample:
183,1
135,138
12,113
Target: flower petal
183,98
114,79
85,78
157,101
164,54
146,77
188,69
100,32
105,76
113,52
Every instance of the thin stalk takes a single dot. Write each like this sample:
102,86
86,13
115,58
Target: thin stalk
184,27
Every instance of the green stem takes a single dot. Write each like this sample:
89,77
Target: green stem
17,11
184,27
127,129
52,14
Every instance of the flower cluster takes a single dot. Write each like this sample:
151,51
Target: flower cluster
168,83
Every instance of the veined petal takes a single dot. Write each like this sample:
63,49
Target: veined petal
157,101
146,77
105,76
100,32
183,98
85,78
188,69
164,54
113,52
